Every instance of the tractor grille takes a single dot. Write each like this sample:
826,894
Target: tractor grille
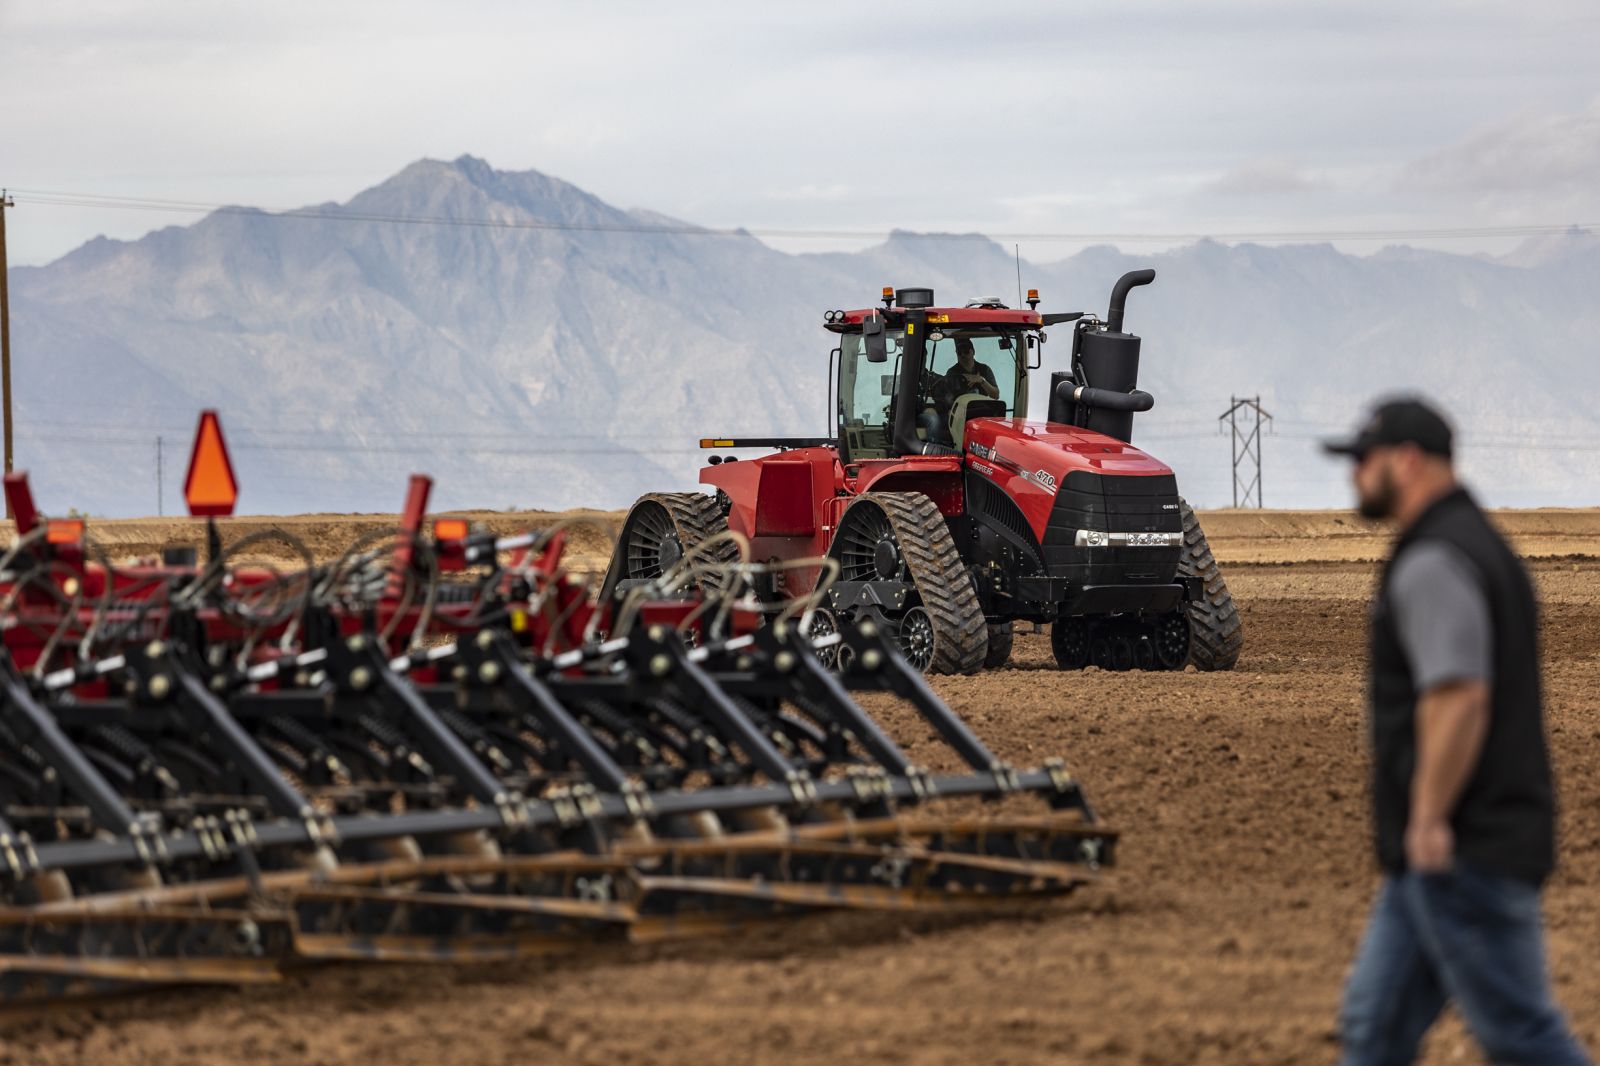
1119,504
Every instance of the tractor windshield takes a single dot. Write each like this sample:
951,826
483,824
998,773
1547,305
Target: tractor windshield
949,385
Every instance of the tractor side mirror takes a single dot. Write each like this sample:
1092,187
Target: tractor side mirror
875,339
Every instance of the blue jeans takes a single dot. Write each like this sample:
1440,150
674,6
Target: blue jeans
1469,936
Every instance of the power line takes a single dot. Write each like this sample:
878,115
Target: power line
609,446
299,434
380,449
336,213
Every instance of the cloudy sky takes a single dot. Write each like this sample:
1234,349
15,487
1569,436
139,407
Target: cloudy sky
1042,123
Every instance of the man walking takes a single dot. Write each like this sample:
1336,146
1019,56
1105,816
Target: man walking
1464,804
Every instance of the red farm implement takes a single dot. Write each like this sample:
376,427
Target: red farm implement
437,745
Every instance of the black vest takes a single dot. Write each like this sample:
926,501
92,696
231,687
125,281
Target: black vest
1505,818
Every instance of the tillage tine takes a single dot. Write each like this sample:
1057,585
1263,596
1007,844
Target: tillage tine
211,716
537,701
659,657
875,660
38,727
362,671
807,675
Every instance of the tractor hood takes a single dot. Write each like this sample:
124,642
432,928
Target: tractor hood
1035,462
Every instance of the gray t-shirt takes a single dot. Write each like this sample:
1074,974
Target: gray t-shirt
1442,616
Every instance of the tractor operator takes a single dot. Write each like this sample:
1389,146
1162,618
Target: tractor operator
969,375
1463,799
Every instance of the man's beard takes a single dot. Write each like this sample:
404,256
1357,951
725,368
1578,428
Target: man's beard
1379,503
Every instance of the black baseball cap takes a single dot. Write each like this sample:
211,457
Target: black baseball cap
1400,421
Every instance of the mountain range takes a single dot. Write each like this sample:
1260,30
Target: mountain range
530,345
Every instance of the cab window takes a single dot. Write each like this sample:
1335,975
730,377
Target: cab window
998,352
867,390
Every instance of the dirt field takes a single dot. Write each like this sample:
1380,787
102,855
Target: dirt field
1243,880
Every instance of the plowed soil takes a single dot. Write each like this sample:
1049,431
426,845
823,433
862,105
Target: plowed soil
1243,881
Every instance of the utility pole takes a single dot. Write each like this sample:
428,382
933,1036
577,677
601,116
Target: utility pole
1244,418
160,487
5,333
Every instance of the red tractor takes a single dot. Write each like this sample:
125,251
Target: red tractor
950,514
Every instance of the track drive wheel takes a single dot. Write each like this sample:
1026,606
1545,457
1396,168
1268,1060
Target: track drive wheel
1001,637
902,537
1216,633
660,530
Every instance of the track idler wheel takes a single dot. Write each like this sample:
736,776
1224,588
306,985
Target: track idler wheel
1123,655
1170,640
1121,643
1069,640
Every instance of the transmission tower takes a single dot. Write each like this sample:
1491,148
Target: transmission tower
1244,418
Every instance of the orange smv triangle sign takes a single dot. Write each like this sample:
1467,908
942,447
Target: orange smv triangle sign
210,488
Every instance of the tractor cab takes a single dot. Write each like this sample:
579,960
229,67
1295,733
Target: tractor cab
970,362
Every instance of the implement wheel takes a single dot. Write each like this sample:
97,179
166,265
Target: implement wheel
901,542
1216,634
660,530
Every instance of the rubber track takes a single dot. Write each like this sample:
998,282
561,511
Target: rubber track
1216,633
696,517
960,632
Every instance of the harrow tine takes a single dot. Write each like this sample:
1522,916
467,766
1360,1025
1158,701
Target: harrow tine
102,974
61,955
463,925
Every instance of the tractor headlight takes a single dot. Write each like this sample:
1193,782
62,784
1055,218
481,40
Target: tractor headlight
1095,538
